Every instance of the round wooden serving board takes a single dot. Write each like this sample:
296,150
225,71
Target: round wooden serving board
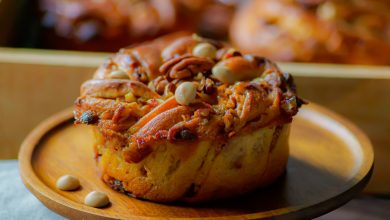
330,161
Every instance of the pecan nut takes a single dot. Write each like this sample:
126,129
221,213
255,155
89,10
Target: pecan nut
186,66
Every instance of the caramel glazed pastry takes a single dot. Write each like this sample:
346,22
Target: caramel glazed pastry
348,31
188,119
105,25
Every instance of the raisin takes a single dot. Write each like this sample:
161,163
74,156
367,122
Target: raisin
88,117
185,134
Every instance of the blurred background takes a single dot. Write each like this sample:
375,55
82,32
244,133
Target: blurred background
338,50
107,25
331,31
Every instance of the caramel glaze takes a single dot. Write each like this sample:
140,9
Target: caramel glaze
349,31
106,25
155,69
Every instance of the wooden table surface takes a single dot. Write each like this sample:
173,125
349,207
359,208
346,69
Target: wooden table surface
361,208
312,185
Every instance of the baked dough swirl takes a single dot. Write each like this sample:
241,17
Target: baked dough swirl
229,136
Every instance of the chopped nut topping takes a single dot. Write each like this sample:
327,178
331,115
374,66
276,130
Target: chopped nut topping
194,95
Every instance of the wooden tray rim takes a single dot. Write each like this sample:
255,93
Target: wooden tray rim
45,194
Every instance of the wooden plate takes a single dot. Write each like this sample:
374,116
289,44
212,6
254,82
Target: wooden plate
331,160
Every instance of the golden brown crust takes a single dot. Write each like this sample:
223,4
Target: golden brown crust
201,171
140,122
352,31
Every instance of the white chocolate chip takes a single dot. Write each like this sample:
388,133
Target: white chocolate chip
68,182
326,11
235,69
204,50
185,93
118,74
223,74
96,199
